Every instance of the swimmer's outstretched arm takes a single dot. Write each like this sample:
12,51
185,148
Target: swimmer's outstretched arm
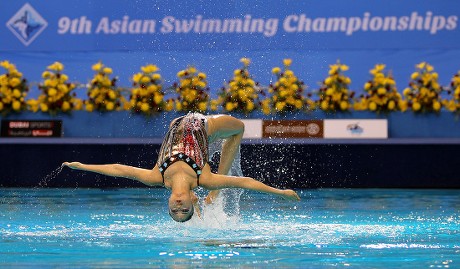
215,181
146,176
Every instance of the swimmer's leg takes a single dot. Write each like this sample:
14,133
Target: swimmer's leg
231,129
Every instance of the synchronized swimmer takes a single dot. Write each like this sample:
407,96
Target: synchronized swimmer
182,163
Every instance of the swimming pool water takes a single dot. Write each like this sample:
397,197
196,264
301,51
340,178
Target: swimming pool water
130,228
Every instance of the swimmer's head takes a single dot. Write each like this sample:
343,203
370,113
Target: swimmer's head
180,207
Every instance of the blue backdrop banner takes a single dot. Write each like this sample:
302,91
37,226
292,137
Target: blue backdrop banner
214,35
82,25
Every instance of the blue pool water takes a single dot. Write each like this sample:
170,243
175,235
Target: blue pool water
130,228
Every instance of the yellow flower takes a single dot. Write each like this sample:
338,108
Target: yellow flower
63,88
14,82
145,107
56,66
201,84
43,107
107,70
245,61
367,85
421,65
250,106
181,73
110,106
16,105
298,104
344,67
344,105
158,99
192,69
145,79
5,64
137,77
52,92
90,107
156,76
406,91
112,95
289,73
178,106
379,67
169,105
202,106
149,68
97,67
65,106
391,105
402,105
429,68
416,106
214,105
381,91
372,106
287,62
436,106
414,75
276,70
229,106
280,106
17,93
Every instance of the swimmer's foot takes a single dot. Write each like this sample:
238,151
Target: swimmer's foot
212,196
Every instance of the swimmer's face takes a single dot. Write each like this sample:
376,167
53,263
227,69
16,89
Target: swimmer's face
180,207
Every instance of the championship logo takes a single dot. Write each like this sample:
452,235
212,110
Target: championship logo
27,24
355,129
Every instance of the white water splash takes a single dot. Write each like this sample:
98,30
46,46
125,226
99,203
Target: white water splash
44,182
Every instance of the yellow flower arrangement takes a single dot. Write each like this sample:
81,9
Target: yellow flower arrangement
334,93
13,89
147,96
381,94
241,93
103,93
287,93
453,104
192,90
424,90
56,92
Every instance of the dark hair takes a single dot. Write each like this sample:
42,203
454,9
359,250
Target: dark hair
192,210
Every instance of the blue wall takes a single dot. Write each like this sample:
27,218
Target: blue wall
80,33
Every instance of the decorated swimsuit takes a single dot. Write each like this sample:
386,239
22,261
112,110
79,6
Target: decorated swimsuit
187,141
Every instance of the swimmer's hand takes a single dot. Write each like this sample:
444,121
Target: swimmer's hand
72,165
290,195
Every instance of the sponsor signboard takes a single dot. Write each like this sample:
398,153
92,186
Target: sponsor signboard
31,128
252,128
356,128
292,129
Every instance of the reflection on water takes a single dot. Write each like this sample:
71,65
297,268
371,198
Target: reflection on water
131,227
